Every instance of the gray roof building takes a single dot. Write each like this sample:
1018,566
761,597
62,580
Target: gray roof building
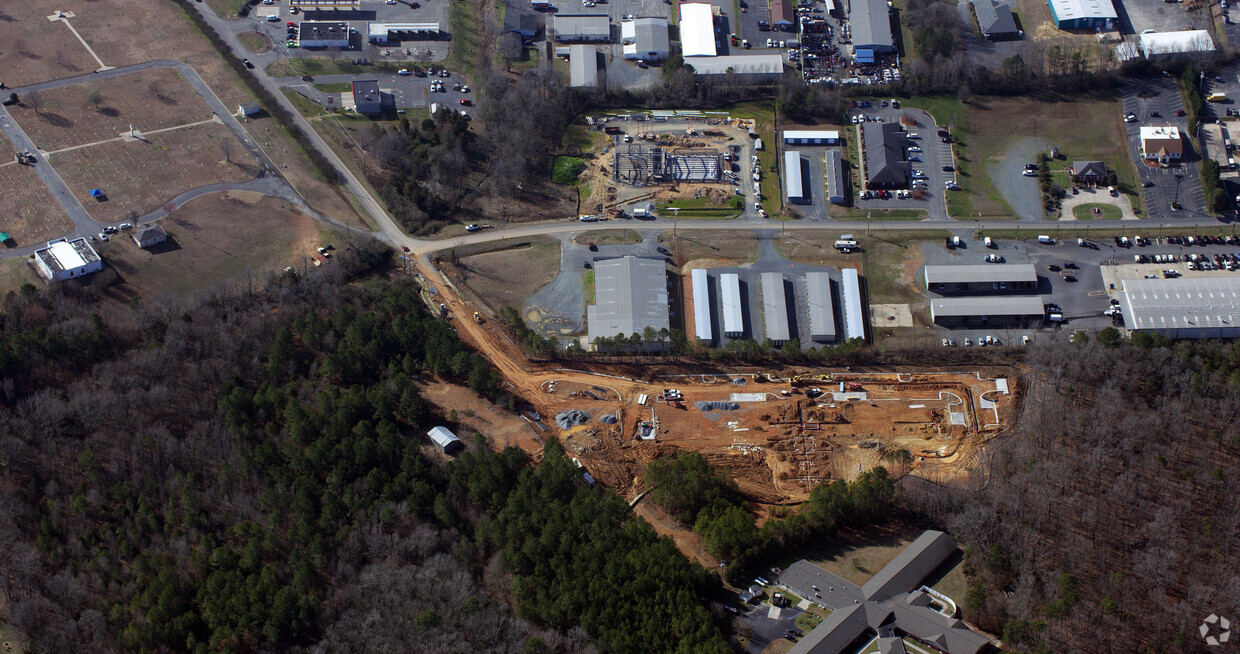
1185,307
752,67
630,295
366,96
885,165
888,605
871,29
833,172
775,308
994,19
645,38
986,311
794,184
149,235
583,65
821,307
581,27
982,273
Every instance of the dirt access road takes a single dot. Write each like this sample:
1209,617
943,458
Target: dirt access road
784,435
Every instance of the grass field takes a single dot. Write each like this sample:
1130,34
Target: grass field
564,170
587,280
299,66
254,42
489,268
138,177
36,49
14,273
811,617
888,261
1085,211
214,239
335,87
882,214
97,110
725,246
608,237
28,212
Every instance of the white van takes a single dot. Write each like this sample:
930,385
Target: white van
989,243
1045,239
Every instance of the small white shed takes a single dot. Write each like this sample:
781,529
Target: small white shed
444,439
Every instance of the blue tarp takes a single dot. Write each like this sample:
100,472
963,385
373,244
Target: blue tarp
94,193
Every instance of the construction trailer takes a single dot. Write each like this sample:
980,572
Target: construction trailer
854,306
733,315
821,307
775,308
701,304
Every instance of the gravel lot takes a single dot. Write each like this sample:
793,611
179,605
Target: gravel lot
1022,193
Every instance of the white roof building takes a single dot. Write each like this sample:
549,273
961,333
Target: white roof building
811,137
761,65
697,29
444,439
645,38
733,315
583,65
701,305
794,185
1174,43
1185,307
65,259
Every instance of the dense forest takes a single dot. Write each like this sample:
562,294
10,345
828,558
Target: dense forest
248,472
1107,521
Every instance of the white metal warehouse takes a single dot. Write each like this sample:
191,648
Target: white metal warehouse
775,308
1176,43
701,304
697,29
794,186
630,295
811,137
444,439
833,174
1001,311
871,29
733,316
854,319
645,38
1184,307
821,307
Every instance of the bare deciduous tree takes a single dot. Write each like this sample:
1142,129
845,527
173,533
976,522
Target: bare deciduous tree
226,148
35,101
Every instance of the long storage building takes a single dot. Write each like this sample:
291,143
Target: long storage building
981,278
821,307
775,308
854,307
581,28
833,172
794,185
733,314
582,65
1020,311
1184,307
701,304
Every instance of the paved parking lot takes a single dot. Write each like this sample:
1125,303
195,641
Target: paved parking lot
813,180
933,157
429,11
408,91
1156,101
1136,16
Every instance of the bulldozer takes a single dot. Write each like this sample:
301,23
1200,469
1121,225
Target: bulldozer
478,318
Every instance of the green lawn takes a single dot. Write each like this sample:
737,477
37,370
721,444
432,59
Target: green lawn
335,87
608,237
811,617
883,214
322,66
588,280
564,170
305,105
1085,211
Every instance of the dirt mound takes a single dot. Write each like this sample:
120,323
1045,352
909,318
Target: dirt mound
608,419
717,406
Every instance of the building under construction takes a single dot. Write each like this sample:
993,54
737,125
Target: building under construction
642,165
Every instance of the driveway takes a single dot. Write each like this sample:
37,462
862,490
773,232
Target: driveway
1095,196
764,630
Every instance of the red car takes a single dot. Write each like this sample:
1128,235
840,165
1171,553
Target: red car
466,101
291,24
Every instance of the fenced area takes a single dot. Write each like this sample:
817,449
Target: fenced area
642,165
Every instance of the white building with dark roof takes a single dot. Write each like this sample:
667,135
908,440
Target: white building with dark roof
65,259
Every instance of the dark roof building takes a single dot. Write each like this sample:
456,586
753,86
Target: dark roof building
1019,311
885,166
366,96
995,20
782,16
591,28
981,278
891,604
1088,172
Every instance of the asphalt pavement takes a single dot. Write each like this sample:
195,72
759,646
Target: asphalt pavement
1156,101
933,156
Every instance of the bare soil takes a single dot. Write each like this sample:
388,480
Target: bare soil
72,115
710,247
215,239
36,49
477,415
30,214
139,176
